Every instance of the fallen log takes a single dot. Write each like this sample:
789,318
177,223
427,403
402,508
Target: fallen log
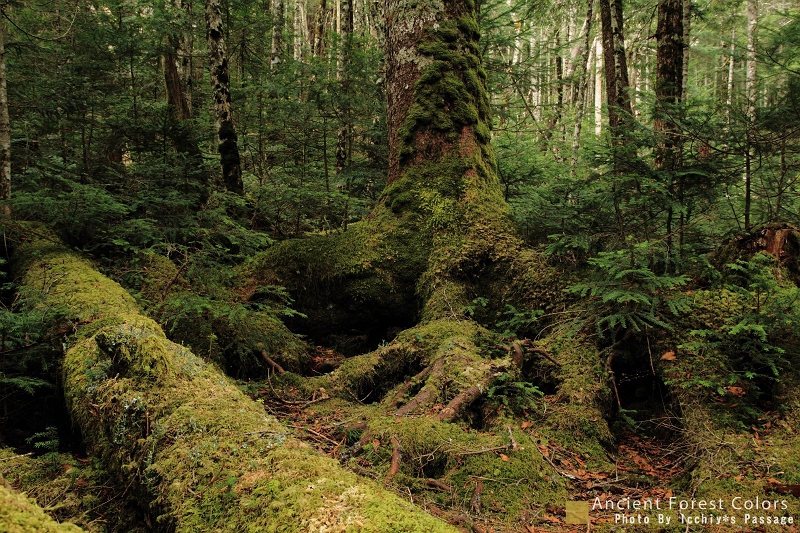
201,456
18,514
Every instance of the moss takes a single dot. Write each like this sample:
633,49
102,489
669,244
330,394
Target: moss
75,491
222,329
203,455
362,280
18,514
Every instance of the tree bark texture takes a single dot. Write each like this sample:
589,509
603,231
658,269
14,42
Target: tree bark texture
176,92
616,67
278,21
669,83
227,140
345,134
5,128
197,454
751,88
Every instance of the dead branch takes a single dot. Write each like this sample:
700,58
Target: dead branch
427,394
435,483
475,500
541,351
465,398
505,447
395,466
272,364
514,445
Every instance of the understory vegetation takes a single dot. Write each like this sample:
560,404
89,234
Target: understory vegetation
479,326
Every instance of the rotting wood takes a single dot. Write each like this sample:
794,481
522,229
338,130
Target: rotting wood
466,398
122,363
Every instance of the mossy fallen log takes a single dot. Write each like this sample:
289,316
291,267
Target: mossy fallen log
198,453
18,514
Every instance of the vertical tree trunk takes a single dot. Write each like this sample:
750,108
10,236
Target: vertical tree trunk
731,61
687,42
616,67
344,135
319,29
669,73
579,93
277,33
176,91
5,127
220,84
598,89
751,87
669,82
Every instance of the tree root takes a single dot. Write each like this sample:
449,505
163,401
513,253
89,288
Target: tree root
466,398
426,395
395,466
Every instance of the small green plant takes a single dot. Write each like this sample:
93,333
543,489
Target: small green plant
517,322
627,293
46,442
517,395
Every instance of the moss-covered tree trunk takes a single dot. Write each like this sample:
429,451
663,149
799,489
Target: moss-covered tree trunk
198,454
441,236
18,514
227,139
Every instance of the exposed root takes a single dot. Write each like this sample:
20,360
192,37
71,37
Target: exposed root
395,466
436,484
466,398
428,393
278,369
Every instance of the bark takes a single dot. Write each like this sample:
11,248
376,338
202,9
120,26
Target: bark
176,92
197,454
598,90
319,29
687,36
751,87
669,82
300,28
227,141
616,68
579,93
277,32
344,135
5,129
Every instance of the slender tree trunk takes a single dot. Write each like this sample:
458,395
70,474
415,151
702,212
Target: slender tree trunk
687,42
731,61
344,135
220,84
616,67
319,29
277,32
579,93
751,88
669,72
5,128
598,89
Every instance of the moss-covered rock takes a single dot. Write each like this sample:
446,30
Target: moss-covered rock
196,451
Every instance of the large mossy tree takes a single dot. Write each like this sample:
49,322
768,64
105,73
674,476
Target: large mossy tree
441,237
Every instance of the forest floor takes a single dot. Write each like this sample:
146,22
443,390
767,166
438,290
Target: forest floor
646,466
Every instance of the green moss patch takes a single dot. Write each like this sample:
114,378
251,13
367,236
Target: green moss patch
191,444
